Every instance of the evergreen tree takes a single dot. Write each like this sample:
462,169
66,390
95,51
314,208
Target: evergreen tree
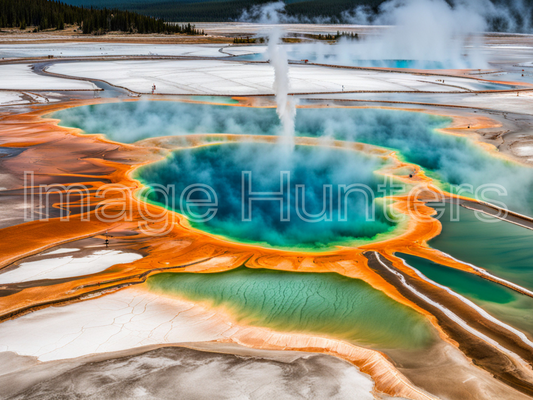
47,14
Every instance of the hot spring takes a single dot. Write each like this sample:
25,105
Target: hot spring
301,199
455,162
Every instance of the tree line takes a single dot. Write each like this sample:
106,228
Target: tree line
149,16
329,36
48,14
231,10
305,10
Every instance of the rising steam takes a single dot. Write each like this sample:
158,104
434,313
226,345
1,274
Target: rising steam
496,15
433,33
423,30
286,106
451,159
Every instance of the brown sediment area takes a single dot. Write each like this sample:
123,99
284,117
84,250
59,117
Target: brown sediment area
59,154
506,215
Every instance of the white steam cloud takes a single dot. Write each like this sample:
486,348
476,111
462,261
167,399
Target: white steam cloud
468,16
286,106
273,13
434,33
497,15
270,13
423,30
505,16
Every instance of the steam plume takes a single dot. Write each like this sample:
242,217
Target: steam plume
422,30
286,106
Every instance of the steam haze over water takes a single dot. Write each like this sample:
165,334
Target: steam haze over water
450,159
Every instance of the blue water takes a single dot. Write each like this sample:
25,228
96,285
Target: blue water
289,224
452,160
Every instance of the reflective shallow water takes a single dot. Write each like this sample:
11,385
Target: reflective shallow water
503,303
324,303
500,247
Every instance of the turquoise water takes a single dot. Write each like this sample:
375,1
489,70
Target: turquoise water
462,282
450,159
500,247
454,161
220,167
320,303
340,57
505,304
350,61
129,122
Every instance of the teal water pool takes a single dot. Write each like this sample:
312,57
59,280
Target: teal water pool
319,303
502,248
503,303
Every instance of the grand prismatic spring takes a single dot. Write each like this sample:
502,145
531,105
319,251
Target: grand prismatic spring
273,207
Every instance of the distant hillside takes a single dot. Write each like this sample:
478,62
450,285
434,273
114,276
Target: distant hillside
226,10
47,14
231,10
